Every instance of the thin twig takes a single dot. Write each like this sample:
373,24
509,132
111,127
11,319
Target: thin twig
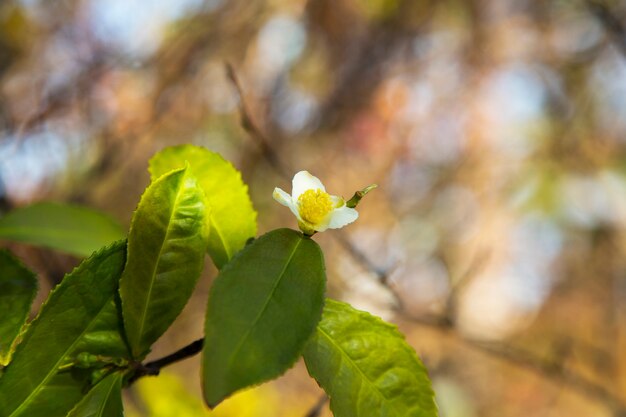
249,126
382,274
552,370
317,408
272,157
154,367
523,359
445,323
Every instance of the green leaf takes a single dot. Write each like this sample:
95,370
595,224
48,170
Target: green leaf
262,308
233,219
80,315
18,287
68,228
103,400
366,367
166,247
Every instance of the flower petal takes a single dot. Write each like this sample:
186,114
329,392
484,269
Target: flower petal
341,217
303,181
285,199
282,197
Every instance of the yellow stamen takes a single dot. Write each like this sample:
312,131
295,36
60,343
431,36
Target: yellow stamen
314,205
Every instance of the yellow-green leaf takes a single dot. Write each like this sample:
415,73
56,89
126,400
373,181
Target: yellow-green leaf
18,287
232,219
166,249
366,367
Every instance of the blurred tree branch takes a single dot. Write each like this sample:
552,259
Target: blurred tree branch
369,50
249,126
360,60
445,323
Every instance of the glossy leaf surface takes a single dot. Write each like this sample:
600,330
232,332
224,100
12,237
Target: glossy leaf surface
80,316
232,219
166,248
366,367
262,309
18,287
73,229
103,400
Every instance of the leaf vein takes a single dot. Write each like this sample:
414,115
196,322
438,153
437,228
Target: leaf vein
50,374
106,398
354,365
258,317
157,263
223,241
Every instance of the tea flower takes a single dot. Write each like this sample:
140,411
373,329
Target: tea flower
315,209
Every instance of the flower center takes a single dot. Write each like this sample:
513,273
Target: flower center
314,205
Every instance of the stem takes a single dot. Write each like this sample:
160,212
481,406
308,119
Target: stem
317,408
154,367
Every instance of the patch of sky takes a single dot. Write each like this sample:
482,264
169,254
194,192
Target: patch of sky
590,201
294,109
281,41
608,82
584,202
135,26
35,160
536,241
513,98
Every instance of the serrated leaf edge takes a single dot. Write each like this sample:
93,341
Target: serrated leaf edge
83,265
167,232
6,359
378,321
212,405
227,249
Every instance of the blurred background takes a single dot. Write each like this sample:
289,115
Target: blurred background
496,130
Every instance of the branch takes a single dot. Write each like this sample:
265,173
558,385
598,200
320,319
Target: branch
249,126
154,367
272,157
317,408
552,370
445,323
521,358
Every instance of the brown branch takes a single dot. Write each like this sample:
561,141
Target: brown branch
382,274
317,408
255,133
154,367
273,159
521,358
515,356
552,370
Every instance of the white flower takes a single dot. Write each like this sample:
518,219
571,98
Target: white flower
315,209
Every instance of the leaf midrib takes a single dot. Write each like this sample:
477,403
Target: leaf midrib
158,259
355,366
223,241
56,365
258,317
106,397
